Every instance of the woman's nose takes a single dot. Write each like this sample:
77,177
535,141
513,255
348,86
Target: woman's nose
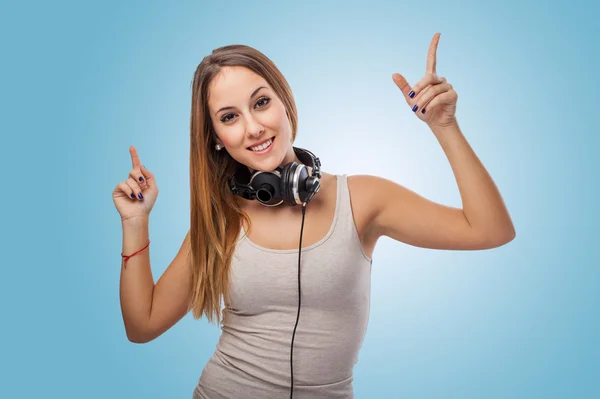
253,127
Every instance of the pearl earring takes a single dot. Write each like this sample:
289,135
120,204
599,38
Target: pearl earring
219,147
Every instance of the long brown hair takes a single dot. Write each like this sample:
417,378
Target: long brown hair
215,217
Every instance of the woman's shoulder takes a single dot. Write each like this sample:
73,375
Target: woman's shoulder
360,193
358,188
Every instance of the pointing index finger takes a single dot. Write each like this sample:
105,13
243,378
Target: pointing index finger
431,55
135,159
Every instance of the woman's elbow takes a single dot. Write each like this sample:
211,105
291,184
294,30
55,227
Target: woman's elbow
138,337
503,239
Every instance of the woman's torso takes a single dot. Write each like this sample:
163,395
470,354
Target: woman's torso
252,358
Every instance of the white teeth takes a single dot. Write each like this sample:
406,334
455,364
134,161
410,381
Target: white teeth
262,146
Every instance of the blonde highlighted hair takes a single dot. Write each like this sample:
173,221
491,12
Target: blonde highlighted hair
215,217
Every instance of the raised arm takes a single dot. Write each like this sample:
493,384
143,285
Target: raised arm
148,310
399,213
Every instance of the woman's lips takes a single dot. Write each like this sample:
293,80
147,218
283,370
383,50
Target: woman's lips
266,150
271,138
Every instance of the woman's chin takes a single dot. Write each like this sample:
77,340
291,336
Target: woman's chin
266,163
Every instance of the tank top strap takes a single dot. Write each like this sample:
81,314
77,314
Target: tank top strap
346,230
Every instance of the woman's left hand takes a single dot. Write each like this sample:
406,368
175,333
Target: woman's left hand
432,99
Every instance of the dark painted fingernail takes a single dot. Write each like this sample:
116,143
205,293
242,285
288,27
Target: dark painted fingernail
140,195
132,196
411,94
423,111
141,178
415,108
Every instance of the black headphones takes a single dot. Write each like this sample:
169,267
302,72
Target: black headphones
291,184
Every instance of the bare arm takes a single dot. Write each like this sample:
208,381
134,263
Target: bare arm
149,310
483,222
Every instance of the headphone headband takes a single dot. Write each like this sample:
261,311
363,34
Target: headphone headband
308,158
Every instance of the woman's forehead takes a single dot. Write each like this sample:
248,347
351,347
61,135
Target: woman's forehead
234,83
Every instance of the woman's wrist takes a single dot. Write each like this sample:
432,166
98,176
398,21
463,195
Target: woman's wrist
135,233
138,220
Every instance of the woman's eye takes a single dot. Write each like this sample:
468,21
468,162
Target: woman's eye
264,101
225,118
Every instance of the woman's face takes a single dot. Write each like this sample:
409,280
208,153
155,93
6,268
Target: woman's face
245,112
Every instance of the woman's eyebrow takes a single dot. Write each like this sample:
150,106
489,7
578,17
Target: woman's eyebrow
230,107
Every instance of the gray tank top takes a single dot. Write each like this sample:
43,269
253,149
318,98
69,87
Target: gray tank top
252,358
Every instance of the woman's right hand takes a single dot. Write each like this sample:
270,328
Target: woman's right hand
136,196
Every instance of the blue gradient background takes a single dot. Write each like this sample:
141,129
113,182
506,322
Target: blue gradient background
81,81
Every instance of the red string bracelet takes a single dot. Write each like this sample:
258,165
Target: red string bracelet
126,257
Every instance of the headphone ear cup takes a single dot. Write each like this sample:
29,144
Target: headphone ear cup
287,185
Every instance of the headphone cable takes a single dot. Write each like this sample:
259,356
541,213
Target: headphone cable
299,302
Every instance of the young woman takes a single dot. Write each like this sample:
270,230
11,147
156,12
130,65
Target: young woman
294,278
